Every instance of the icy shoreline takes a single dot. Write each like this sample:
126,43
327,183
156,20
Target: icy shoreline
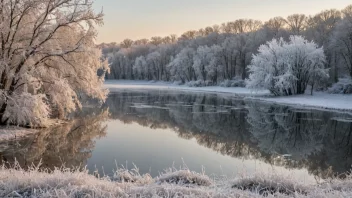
131,84
319,100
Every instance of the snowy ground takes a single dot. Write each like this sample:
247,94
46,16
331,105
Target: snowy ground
318,100
173,183
131,84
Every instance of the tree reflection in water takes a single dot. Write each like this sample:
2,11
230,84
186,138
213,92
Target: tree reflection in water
70,144
246,129
319,141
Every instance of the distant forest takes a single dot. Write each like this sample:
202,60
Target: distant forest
223,52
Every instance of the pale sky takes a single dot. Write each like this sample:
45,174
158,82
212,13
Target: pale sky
136,19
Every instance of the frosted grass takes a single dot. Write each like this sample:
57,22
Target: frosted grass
64,182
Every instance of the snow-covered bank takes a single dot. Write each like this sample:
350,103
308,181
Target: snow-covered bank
178,183
317,100
131,84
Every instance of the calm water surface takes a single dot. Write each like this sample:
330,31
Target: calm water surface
220,134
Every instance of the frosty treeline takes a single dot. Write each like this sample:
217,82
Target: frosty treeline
220,53
47,57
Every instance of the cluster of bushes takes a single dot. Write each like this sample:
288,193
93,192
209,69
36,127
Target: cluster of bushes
200,83
343,86
236,82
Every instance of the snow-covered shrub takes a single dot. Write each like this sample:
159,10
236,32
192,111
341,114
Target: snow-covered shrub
59,183
27,109
226,83
171,191
132,176
270,184
178,83
343,86
286,68
184,177
236,82
209,83
197,83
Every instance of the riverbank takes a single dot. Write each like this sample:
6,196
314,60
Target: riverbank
143,85
320,100
178,183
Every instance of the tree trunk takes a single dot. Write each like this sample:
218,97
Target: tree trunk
244,75
243,64
234,67
336,78
2,111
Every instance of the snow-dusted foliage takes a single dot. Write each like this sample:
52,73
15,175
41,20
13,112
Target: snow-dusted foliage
236,82
181,67
184,177
236,42
196,83
132,176
206,63
25,108
271,184
140,67
208,56
343,86
48,55
286,68
342,40
68,183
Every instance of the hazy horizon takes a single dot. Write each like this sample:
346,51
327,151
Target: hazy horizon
137,19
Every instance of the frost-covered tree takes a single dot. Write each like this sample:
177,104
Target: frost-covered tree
181,67
167,52
238,41
154,64
321,26
126,43
140,68
47,56
246,44
342,40
276,27
206,63
286,68
320,29
296,23
201,61
241,26
141,42
228,57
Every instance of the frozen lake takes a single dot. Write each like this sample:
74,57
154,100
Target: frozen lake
218,134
